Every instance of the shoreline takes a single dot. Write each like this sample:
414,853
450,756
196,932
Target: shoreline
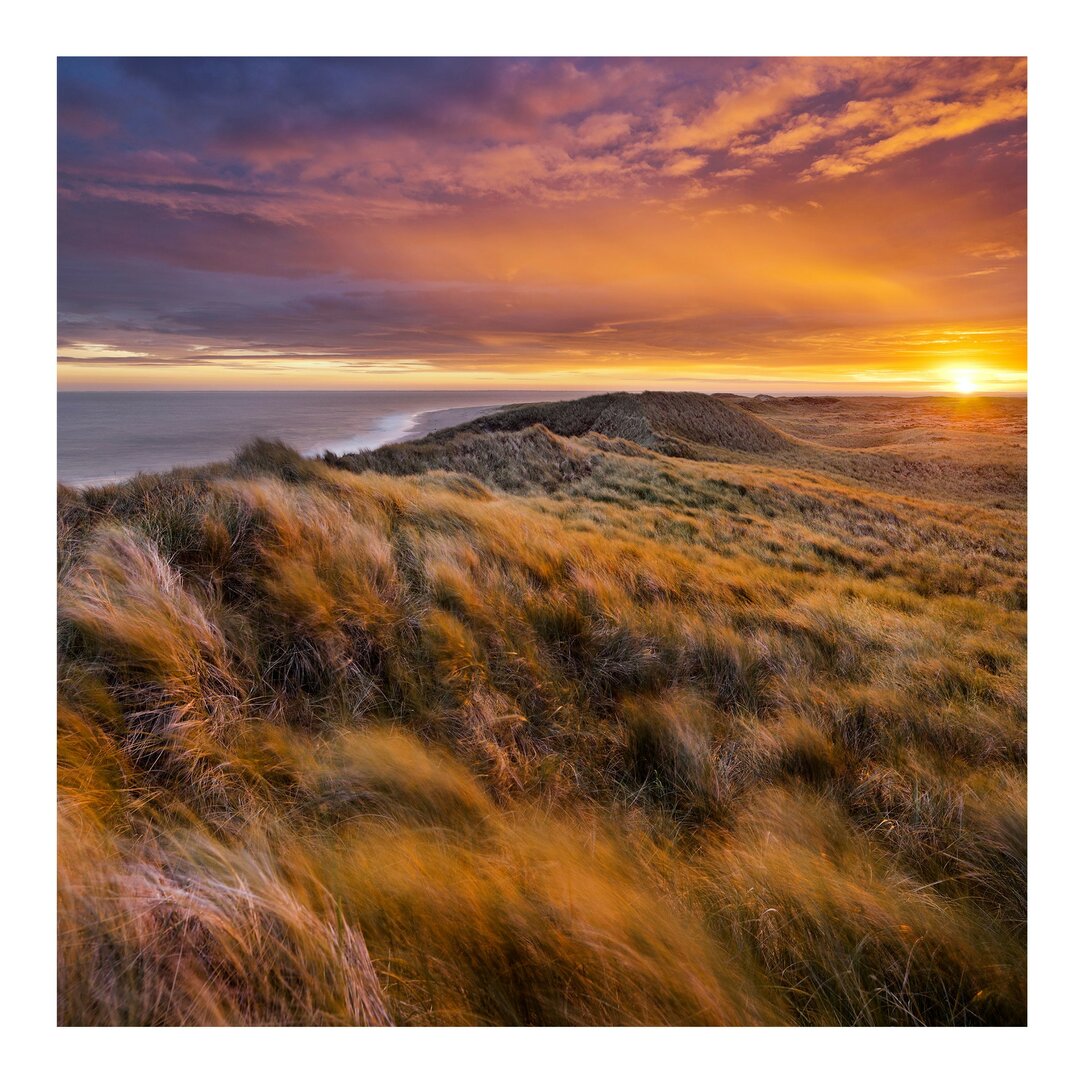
432,420
407,427
394,428
418,425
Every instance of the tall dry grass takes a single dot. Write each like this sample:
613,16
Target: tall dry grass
630,740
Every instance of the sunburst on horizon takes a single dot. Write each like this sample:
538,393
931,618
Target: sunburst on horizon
964,382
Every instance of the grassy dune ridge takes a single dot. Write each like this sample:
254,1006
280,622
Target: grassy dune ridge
562,720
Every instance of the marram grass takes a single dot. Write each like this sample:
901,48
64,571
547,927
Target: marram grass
518,727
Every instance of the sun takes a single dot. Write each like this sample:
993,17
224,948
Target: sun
964,383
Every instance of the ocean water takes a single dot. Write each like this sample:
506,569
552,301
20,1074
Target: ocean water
104,436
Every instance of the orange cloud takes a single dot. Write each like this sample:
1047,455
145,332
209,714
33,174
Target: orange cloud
936,122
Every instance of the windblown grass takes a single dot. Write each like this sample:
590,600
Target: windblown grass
516,727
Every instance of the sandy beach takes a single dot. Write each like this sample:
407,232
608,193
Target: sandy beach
438,419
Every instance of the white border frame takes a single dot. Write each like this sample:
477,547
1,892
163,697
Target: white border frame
558,27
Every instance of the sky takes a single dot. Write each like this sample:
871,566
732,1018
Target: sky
756,225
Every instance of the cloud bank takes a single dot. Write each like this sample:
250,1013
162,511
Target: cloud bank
580,222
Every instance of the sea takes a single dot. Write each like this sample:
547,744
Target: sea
104,436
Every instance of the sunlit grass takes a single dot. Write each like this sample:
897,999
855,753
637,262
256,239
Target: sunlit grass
577,733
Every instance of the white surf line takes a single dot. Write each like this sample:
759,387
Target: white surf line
391,428
414,423
401,427
96,481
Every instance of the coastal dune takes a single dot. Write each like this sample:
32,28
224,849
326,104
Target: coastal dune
637,709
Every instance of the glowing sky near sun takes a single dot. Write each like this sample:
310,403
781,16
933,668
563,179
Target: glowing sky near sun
755,225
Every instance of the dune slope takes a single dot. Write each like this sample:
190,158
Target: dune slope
533,723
